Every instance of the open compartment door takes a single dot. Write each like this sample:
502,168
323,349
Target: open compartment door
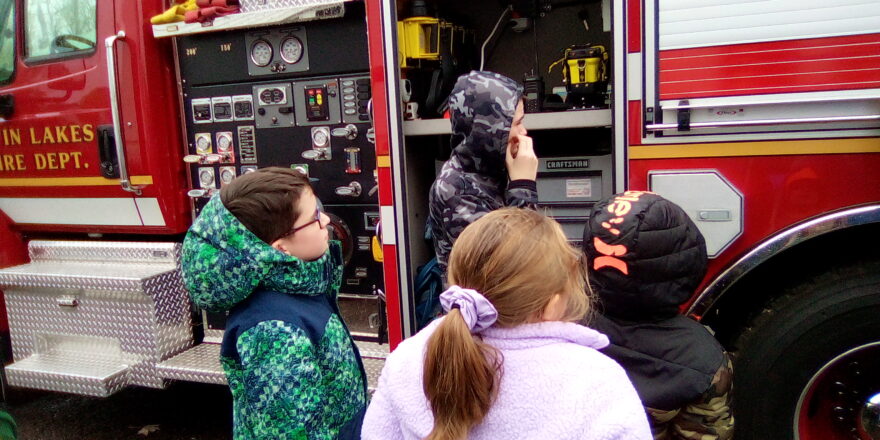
756,68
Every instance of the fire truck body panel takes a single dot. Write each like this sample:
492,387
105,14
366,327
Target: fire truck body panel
781,190
62,119
762,123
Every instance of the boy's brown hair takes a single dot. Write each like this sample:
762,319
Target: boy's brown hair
266,201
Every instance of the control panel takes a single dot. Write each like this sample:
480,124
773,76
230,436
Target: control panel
279,98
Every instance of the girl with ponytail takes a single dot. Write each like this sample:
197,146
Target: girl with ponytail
508,360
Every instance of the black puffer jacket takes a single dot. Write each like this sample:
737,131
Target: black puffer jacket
646,257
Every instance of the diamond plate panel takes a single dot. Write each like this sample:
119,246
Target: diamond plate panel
263,5
373,368
143,307
118,252
372,350
127,277
198,364
91,376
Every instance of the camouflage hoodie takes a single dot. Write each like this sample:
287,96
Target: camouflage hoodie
291,365
474,180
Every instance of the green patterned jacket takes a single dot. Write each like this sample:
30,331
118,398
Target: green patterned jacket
289,359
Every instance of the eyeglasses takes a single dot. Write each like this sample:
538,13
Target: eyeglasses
319,208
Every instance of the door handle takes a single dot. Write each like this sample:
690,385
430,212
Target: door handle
114,110
7,106
107,152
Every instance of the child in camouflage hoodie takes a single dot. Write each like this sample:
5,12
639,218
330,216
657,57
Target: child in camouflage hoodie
260,250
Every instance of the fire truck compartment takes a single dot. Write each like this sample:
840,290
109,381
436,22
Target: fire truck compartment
91,318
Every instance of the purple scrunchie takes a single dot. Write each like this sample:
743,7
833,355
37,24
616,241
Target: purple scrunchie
478,313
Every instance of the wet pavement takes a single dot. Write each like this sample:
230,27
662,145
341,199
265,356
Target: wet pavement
183,411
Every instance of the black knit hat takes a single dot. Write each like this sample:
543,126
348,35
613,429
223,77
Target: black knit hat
645,256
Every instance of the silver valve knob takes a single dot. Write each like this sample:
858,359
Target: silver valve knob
353,189
198,193
349,132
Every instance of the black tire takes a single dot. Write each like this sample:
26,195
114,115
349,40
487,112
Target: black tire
793,337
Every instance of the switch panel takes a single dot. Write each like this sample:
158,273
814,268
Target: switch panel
243,107
201,111
274,106
221,106
317,102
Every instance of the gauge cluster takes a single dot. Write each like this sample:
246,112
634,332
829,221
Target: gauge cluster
274,51
262,97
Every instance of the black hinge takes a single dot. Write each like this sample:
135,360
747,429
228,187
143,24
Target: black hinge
7,106
107,152
684,117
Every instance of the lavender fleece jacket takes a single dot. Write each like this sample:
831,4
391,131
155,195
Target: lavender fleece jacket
556,385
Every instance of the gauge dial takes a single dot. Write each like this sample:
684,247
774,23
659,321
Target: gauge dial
261,53
203,144
291,50
226,175
224,141
206,178
320,138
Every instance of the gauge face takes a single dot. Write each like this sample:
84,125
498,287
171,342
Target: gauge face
224,142
206,178
319,138
291,50
261,53
203,144
227,175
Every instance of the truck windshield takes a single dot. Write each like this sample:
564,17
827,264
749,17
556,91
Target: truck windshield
7,40
59,28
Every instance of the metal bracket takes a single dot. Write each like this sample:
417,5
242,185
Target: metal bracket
684,117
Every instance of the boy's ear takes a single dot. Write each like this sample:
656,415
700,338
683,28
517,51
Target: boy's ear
279,245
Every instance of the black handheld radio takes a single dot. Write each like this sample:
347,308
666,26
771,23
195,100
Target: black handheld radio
533,93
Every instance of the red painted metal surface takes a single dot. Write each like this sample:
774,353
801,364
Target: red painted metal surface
381,124
60,105
12,253
634,122
808,65
634,25
779,191
392,302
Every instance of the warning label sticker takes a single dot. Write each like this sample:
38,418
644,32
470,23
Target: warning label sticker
578,188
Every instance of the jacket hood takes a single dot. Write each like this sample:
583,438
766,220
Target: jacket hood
223,263
645,255
482,106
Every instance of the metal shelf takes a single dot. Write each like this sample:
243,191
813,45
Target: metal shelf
312,10
533,121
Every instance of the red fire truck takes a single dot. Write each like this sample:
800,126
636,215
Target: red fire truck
761,119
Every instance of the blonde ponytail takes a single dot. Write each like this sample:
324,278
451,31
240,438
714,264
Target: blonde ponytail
460,378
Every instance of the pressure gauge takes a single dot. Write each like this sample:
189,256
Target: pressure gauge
203,143
261,53
291,50
320,138
227,174
206,178
224,141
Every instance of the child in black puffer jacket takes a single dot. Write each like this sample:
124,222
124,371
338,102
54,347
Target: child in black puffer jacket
646,257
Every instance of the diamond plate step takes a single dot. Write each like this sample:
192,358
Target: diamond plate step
198,364
84,374
202,364
373,356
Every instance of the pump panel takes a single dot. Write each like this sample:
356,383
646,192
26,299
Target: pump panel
282,96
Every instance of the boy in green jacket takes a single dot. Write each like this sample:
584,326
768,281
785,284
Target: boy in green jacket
261,251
